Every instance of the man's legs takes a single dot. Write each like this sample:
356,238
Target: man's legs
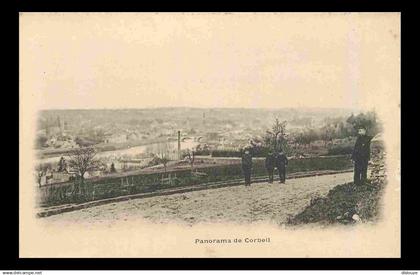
247,177
357,173
363,172
270,175
282,174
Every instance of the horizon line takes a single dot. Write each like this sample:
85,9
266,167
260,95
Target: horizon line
190,107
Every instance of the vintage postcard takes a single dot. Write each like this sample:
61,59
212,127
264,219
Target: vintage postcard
209,135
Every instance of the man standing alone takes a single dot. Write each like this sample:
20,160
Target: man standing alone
281,163
361,156
247,167
269,165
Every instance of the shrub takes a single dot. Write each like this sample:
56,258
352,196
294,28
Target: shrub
340,150
226,153
258,151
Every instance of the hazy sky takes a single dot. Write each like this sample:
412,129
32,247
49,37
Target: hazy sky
270,60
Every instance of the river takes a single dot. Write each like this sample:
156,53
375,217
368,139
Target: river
168,147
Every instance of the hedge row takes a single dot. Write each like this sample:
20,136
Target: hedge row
256,152
113,187
340,150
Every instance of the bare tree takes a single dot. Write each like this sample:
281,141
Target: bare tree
83,160
62,165
327,134
164,160
162,154
277,135
191,158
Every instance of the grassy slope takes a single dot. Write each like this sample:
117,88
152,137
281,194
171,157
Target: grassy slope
344,201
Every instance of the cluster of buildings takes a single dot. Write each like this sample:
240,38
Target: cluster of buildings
61,141
126,136
56,136
221,135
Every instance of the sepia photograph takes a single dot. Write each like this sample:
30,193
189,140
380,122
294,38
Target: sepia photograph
209,135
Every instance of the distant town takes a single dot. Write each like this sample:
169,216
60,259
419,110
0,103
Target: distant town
136,139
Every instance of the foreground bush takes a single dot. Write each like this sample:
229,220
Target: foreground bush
340,150
348,203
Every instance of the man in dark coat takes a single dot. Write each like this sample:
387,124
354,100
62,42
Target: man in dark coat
270,162
281,163
247,166
361,156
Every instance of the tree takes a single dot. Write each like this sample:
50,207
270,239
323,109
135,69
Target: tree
41,170
327,134
191,158
365,120
40,141
276,137
302,139
163,160
112,169
62,165
162,154
83,160
343,131
306,137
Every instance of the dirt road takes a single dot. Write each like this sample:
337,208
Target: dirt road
237,204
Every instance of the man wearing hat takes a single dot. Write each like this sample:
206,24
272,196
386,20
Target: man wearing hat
361,156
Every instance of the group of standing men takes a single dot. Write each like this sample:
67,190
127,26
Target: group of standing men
360,157
273,160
